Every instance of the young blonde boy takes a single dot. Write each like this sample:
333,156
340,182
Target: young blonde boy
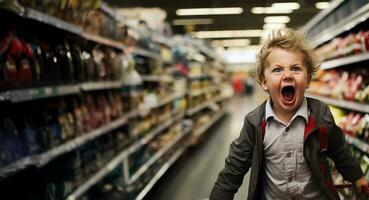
286,141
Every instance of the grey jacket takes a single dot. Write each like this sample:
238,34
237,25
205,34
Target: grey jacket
322,139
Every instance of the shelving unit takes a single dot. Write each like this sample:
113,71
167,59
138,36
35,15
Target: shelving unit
44,158
363,146
16,96
344,61
342,21
168,99
155,157
342,103
206,126
104,85
156,78
206,104
119,159
348,23
52,21
161,172
143,52
202,91
54,154
30,94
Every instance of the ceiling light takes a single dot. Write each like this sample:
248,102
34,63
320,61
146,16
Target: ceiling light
210,11
228,34
322,5
270,10
231,43
181,22
277,20
290,5
274,26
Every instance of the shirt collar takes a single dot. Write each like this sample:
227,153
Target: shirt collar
303,111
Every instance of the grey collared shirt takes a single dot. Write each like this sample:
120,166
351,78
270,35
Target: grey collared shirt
287,175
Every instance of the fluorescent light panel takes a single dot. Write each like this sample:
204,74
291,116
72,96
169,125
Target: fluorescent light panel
322,5
286,5
228,34
273,26
181,22
231,43
210,11
277,20
284,8
270,10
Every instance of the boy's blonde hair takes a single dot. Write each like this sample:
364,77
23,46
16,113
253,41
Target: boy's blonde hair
287,39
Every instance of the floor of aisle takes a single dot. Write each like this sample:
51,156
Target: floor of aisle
192,176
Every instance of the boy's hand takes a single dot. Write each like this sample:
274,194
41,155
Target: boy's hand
360,183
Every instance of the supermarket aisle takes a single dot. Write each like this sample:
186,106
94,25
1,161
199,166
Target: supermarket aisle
193,176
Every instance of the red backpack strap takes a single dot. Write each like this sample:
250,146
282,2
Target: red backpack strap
263,127
323,138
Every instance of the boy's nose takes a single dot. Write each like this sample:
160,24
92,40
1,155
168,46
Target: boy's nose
287,75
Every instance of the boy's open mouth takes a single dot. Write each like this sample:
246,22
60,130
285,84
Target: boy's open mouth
288,92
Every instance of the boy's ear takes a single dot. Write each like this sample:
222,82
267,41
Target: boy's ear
309,77
263,85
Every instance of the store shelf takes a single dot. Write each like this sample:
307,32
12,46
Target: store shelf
44,158
342,103
15,167
103,40
71,28
202,91
155,157
168,100
161,172
157,78
347,24
52,21
146,53
101,85
344,61
206,126
321,15
119,159
201,76
200,107
363,146
30,94
22,95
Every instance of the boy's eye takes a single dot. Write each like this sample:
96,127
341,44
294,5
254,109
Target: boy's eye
277,69
296,68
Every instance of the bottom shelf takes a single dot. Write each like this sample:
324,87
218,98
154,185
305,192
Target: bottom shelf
161,172
206,126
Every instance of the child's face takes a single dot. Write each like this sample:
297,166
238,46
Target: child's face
286,78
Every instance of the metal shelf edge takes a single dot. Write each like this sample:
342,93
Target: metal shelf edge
114,163
53,21
98,176
155,157
364,147
342,103
342,26
46,157
203,105
101,85
161,172
22,95
344,61
205,127
16,166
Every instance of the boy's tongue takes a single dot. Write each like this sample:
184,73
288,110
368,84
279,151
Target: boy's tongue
288,93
